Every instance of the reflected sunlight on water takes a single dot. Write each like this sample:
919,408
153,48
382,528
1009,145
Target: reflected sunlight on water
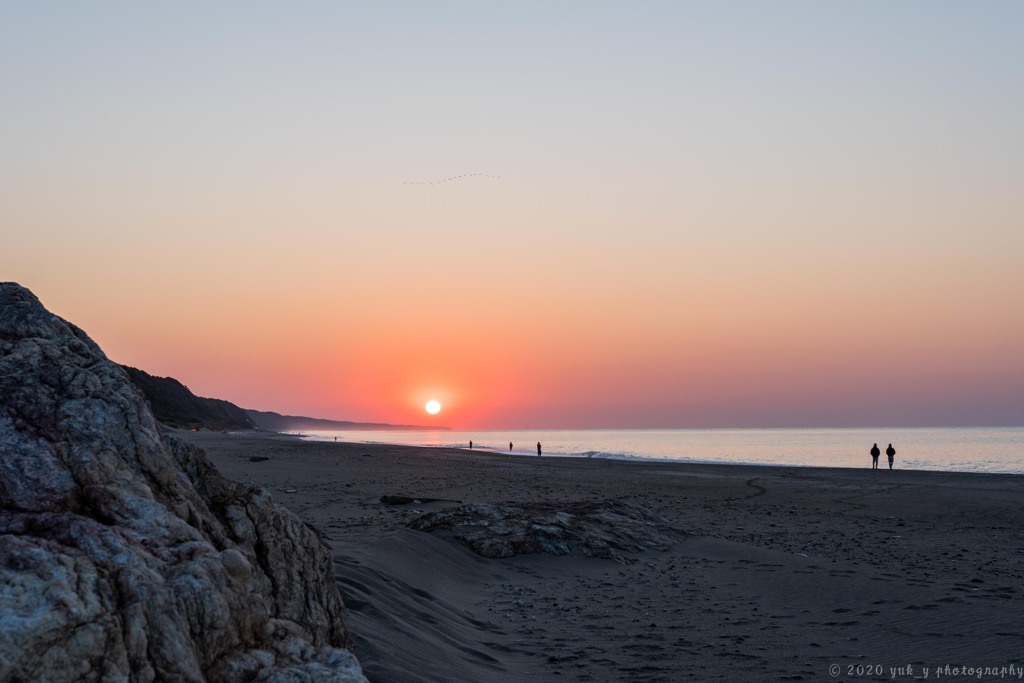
980,449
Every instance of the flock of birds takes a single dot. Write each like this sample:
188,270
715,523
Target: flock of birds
452,178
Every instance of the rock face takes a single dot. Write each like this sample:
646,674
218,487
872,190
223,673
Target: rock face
595,529
124,555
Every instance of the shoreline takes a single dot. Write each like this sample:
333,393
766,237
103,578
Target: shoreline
526,454
779,571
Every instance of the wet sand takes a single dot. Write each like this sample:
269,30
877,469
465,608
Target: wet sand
781,573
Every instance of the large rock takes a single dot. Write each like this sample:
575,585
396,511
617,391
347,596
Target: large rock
596,529
124,554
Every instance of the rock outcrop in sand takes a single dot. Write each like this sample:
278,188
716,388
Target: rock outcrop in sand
124,555
594,529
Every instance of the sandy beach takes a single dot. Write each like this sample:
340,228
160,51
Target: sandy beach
776,573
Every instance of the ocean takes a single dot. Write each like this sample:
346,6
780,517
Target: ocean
974,449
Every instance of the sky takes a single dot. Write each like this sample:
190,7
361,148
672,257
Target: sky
660,214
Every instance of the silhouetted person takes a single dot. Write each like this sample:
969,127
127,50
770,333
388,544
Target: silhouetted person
470,445
891,452
874,456
538,449
509,446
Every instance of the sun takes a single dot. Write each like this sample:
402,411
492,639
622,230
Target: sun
433,407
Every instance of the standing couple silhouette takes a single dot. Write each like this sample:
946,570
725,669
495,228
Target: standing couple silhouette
890,451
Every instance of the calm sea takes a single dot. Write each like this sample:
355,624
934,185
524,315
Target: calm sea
976,449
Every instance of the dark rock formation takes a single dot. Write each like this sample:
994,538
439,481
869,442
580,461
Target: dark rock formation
124,555
597,529
174,405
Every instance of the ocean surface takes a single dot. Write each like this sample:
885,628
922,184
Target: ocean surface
975,449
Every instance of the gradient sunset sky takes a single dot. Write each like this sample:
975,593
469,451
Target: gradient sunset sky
706,214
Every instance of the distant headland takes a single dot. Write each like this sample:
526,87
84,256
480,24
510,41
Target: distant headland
276,422
174,405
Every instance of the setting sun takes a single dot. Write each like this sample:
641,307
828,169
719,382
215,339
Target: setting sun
433,407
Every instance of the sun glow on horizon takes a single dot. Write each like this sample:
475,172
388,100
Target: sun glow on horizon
790,236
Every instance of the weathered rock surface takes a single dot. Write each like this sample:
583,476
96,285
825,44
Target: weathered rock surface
596,529
124,555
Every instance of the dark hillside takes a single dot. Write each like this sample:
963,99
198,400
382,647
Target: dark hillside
174,405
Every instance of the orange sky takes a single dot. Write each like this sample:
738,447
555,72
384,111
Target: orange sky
733,218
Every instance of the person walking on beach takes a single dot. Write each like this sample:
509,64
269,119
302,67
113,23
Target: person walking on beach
470,445
891,452
509,446
874,456
538,449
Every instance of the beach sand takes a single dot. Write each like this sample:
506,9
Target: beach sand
780,572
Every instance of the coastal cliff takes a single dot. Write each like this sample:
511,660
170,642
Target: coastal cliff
175,406
124,554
